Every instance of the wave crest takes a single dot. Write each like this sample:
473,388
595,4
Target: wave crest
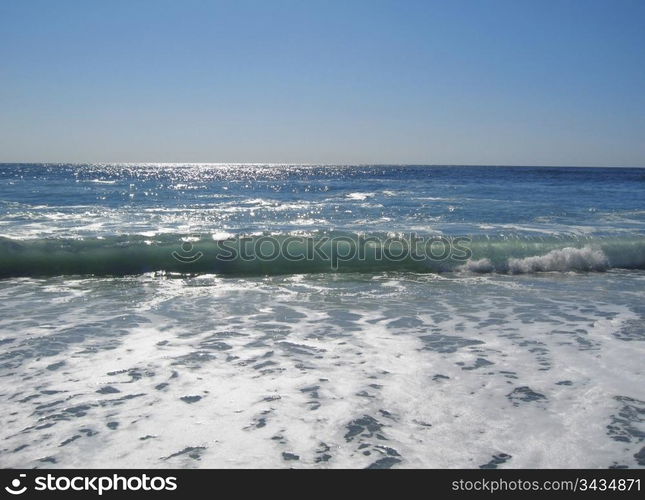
563,260
135,254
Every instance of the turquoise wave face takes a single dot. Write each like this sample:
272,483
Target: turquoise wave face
324,252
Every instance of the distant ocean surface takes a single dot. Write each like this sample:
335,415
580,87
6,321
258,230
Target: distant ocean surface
151,317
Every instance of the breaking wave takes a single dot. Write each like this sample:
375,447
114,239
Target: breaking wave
318,253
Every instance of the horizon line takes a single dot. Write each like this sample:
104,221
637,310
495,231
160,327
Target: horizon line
312,164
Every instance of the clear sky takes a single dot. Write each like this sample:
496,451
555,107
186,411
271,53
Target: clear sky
539,82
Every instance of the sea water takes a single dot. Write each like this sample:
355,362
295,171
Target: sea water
126,340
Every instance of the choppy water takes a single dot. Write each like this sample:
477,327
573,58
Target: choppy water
114,353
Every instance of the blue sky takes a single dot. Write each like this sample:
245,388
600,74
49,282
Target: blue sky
540,82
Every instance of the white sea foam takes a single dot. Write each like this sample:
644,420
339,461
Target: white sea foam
563,260
242,371
222,235
560,260
477,266
359,196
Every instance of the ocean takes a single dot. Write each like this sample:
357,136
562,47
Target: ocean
221,315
